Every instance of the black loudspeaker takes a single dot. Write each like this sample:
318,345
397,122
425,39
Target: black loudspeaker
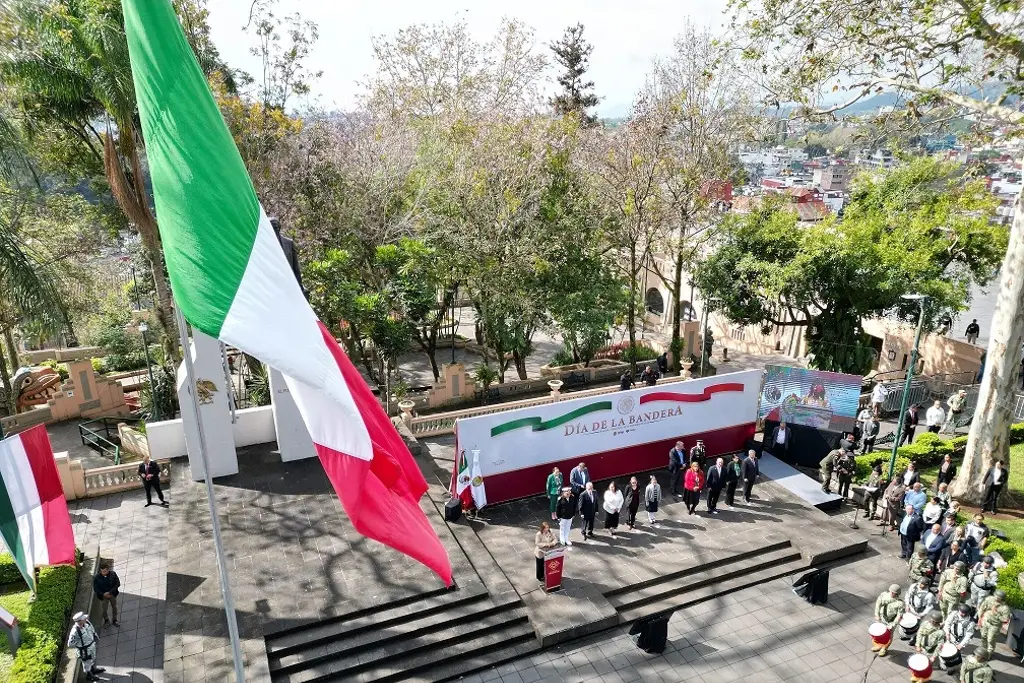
813,587
651,633
453,510
1015,632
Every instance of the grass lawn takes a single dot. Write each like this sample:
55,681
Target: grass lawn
16,602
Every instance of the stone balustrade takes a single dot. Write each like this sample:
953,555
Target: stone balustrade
444,423
116,478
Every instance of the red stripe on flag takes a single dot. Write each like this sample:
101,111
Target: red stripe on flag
60,538
381,496
691,398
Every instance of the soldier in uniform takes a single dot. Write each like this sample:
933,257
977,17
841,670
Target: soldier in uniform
930,636
921,567
983,578
959,626
976,668
920,600
888,610
993,614
952,587
845,469
828,466
83,638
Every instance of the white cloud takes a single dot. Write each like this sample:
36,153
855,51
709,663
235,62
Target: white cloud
627,35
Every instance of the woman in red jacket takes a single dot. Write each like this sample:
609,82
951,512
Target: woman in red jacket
693,483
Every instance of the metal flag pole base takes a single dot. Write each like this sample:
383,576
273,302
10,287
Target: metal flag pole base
853,524
222,570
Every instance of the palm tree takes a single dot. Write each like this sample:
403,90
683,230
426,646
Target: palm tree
64,66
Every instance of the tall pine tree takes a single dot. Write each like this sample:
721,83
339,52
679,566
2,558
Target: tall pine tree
573,52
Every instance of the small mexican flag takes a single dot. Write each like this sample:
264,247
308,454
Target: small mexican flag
463,478
34,519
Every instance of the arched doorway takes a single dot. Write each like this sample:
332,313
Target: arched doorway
655,302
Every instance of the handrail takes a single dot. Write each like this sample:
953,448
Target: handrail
100,481
444,423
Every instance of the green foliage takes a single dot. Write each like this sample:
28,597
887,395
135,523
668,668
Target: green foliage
98,365
485,375
638,353
113,328
258,384
1014,556
920,227
60,368
162,397
9,572
43,623
572,52
563,356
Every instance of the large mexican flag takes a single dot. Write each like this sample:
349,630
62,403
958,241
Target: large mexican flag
231,280
34,520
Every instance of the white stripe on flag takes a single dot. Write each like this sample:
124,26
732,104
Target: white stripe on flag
271,319
21,486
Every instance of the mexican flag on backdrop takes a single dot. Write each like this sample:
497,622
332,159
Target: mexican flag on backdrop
469,482
34,520
231,281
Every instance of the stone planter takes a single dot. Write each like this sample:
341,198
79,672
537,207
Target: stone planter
687,364
556,387
406,407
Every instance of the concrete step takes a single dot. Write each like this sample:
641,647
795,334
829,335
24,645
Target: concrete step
356,625
465,637
694,571
385,635
732,582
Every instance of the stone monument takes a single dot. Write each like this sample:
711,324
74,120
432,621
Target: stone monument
212,397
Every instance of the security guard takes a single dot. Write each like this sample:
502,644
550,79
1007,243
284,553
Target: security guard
976,668
921,567
83,638
993,614
983,580
959,626
888,610
930,636
920,600
828,466
952,587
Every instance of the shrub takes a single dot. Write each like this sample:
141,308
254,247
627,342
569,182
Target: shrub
1010,552
160,398
98,366
639,353
60,368
563,356
1017,432
9,572
621,351
43,633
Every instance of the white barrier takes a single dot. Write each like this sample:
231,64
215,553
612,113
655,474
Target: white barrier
252,426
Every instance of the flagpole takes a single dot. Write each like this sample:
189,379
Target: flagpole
222,568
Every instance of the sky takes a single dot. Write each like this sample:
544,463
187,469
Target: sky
626,34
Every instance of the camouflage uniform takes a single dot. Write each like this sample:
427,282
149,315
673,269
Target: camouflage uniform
992,614
959,628
920,567
828,466
974,671
982,583
952,588
930,638
888,610
920,601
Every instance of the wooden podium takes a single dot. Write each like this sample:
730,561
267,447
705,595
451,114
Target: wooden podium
554,561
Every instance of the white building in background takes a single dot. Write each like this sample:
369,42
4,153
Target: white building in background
879,158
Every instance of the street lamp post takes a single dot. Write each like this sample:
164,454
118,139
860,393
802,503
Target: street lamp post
143,328
906,384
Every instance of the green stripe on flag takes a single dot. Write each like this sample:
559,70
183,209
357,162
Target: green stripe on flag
539,425
12,537
205,203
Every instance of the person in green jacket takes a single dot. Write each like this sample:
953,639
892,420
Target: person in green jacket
554,489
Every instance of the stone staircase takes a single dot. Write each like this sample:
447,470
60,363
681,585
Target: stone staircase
705,581
431,637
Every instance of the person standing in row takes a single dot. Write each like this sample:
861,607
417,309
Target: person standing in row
579,477
632,502
612,505
715,480
982,580
697,455
946,473
888,610
781,436
676,458
993,615
893,503
543,541
910,475
873,491
652,496
994,480
107,587
554,488
976,668
149,473
959,626
910,421
952,587
871,428
934,542
921,601
935,417
911,529
749,471
845,469
930,636
921,567
588,504
693,485
733,473
566,510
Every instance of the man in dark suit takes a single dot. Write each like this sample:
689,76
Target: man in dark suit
779,444
749,472
934,543
588,509
947,471
715,478
149,473
676,458
910,421
994,481
911,529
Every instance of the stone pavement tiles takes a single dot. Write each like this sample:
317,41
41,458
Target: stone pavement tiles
764,634
293,559
135,538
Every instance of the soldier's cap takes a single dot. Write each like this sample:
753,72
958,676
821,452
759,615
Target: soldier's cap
80,616
989,559
935,616
923,581
964,609
982,655
894,588
1000,594
922,552
961,565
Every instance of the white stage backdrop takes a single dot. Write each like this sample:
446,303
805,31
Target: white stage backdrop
619,421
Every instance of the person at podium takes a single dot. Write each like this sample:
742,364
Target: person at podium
543,541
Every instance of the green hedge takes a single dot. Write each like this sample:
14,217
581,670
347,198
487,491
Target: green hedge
1014,557
9,572
927,450
42,635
